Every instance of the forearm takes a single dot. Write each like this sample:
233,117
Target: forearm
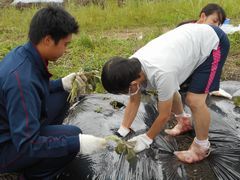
164,114
38,146
131,111
157,126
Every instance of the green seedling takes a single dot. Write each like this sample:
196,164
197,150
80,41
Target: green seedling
87,88
116,104
74,91
98,110
92,80
236,101
123,147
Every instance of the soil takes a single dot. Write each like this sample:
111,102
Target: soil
231,69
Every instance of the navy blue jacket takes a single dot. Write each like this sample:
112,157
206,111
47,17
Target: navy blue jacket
24,89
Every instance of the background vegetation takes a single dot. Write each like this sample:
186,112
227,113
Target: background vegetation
110,30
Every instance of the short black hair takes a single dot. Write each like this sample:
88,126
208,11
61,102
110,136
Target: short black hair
214,8
53,21
118,73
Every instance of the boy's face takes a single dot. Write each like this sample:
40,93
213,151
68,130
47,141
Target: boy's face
55,51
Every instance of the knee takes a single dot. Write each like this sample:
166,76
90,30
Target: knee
75,130
195,103
72,130
189,101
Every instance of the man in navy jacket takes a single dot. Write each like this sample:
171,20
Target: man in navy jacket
32,137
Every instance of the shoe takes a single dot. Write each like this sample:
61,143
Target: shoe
194,154
184,124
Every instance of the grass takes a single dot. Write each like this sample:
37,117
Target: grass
112,31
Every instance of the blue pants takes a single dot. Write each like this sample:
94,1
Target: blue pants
48,168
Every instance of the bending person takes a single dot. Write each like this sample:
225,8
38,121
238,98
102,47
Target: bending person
192,52
212,14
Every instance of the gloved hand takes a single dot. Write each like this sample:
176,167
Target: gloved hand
142,142
90,144
68,80
184,124
123,131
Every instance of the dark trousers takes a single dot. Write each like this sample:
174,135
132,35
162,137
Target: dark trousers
206,77
45,168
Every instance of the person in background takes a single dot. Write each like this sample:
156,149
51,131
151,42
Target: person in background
210,14
192,52
33,140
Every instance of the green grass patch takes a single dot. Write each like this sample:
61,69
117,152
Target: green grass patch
112,31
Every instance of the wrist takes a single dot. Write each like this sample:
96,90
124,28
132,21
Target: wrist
148,138
65,85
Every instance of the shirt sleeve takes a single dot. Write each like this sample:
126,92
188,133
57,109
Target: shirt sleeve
166,84
55,85
209,40
23,106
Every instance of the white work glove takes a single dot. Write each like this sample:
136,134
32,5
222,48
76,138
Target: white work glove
90,144
142,142
68,80
123,132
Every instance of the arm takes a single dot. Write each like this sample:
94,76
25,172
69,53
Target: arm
143,141
164,109
23,105
131,110
167,85
129,115
55,85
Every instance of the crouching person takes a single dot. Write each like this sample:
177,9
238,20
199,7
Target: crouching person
191,54
32,137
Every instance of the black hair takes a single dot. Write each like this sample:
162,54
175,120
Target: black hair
208,10
118,73
214,8
53,21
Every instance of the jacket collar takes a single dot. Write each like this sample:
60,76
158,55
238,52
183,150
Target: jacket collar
37,59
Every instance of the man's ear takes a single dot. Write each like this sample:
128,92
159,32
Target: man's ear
133,83
47,41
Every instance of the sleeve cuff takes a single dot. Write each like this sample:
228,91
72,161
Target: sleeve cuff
56,85
73,144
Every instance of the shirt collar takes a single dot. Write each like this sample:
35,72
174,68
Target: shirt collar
37,59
